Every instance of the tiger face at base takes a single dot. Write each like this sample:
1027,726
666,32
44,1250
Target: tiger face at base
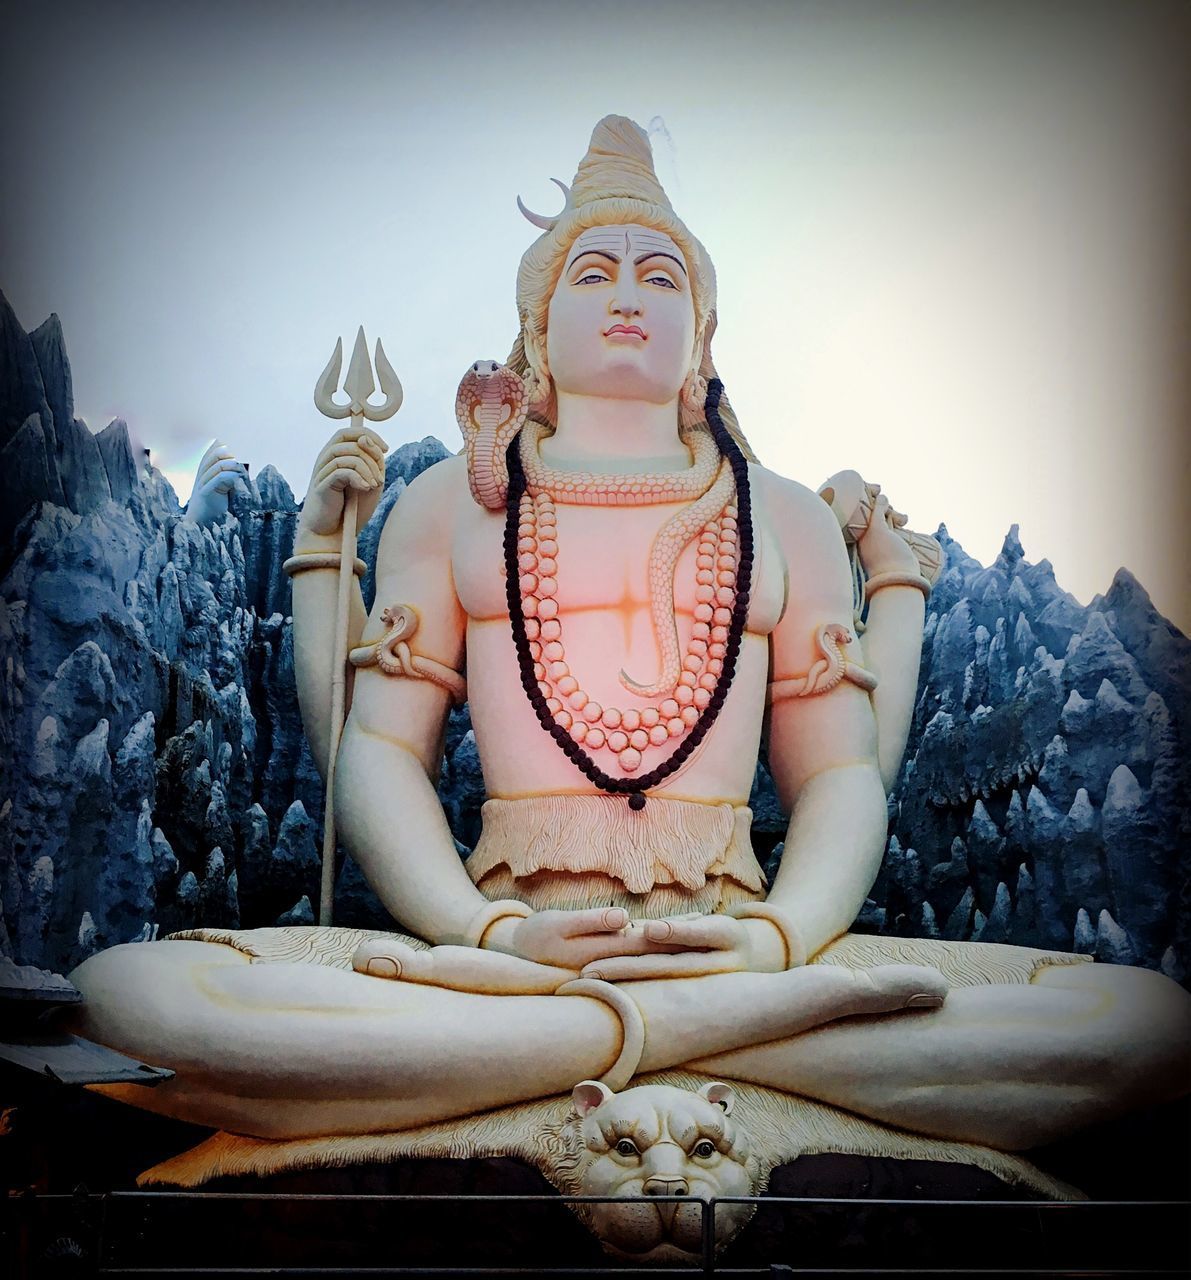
656,1140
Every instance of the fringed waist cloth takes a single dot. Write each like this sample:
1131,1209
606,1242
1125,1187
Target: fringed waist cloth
571,852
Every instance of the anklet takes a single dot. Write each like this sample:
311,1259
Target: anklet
632,1024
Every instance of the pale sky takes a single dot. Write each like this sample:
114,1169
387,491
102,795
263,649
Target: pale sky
950,237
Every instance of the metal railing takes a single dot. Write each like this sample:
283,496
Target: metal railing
180,1233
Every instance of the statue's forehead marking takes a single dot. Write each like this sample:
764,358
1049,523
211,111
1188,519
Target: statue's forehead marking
644,238
625,239
607,237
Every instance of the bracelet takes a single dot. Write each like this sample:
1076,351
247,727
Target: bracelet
880,580
305,560
488,915
632,1043
791,939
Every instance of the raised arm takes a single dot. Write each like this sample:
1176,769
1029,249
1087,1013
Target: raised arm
352,461
387,811
822,745
892,641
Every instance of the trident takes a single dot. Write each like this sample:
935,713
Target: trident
358,385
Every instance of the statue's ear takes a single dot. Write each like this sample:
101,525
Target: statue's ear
720,1095
589,1094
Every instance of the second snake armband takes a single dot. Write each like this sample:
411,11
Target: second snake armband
830,669
392,654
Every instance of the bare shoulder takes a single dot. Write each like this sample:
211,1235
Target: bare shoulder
424,515
413,559
439,486
812,544
803,523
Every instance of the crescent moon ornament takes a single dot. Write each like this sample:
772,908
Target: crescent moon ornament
540,219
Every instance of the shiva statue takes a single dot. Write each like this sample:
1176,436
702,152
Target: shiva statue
627,599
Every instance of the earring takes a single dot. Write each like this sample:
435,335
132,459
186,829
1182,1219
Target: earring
538,388
694,392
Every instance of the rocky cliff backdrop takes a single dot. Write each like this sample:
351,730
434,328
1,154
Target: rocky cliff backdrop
153,773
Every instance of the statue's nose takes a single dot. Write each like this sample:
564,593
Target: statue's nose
661,1185
625,300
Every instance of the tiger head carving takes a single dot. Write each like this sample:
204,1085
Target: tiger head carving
656,1140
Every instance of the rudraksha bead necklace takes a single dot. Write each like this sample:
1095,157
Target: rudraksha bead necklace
572,719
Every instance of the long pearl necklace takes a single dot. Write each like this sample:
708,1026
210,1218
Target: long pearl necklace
577,723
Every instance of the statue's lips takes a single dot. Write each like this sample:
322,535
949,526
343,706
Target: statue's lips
623,331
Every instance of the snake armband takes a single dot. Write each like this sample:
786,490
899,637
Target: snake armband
392,654
828,671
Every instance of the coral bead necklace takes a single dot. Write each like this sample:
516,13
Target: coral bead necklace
625,733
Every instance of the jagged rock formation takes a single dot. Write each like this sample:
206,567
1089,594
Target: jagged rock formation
153,772
1042,799
154,775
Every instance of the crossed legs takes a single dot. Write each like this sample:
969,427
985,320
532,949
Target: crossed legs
280,1050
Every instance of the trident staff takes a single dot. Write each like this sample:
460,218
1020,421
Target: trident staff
358,386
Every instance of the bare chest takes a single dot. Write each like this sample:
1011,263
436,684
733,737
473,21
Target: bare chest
603,566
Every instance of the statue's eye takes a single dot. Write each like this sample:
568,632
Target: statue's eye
704,1150
664,281
627,1147
593,277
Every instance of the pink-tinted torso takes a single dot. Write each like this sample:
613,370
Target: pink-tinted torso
604,607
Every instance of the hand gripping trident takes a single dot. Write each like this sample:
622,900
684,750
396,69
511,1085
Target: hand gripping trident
359,386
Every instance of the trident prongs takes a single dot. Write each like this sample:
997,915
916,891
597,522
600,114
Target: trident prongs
359,384
390,384
326,386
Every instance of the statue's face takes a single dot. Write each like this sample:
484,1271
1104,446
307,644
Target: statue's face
621,323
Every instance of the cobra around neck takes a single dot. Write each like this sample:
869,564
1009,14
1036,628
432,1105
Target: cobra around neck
615,436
